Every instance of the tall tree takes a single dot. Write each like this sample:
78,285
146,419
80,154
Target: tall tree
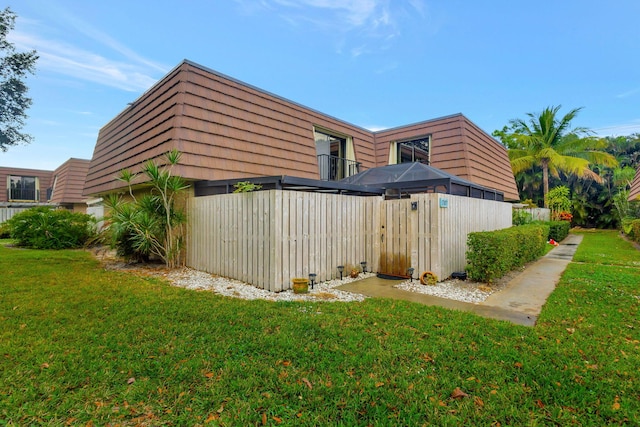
14,67
549,142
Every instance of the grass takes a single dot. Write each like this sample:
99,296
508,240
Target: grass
81,345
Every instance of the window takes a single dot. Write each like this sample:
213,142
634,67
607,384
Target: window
415,150
23,188
336,157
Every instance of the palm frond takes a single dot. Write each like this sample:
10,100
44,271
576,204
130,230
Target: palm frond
522,164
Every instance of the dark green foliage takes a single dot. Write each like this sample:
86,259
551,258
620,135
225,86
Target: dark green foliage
14,67
44,228
492,254
4,231
592,202
558,230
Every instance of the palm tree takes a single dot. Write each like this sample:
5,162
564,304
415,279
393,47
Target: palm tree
549,142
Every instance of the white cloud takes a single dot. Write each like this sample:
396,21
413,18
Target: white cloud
376,128
368,25
620,129
117,66
628,93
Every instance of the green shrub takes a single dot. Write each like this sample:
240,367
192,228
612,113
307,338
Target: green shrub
558,230
520,217
492,254
627,224
635,230
4,231
44,228
152,224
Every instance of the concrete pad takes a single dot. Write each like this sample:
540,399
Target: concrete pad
520,302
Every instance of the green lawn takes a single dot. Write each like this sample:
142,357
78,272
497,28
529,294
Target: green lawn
80,345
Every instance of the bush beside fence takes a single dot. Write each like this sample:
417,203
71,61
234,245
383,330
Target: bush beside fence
492,254
45,228
559,230
634,230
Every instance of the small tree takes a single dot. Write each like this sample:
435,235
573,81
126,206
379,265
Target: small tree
154,223
14,66
558,201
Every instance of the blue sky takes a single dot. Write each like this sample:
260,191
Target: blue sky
373,63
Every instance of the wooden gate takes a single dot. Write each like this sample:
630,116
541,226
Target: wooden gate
395,243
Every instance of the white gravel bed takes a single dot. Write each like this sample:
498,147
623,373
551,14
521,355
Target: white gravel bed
455,289
199,280
467,291
459,290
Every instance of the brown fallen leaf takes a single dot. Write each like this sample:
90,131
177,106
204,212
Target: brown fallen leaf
379,384
307,383
131,380
264,419
539,404
458,394
45,365
209,375
571,330
211,418
277,419
427,358
517,365
478,401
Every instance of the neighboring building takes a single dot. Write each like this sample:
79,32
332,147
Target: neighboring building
634,192
227,129
32,187
25,186
68,183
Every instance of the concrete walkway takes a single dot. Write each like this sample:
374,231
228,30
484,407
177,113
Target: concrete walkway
519,302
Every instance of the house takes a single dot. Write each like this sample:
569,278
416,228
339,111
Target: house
35,187
634,192
24,186
227,129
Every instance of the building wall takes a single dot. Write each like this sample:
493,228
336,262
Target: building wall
460,148
43,176
145,130
224,128
228,129
68,183
634,192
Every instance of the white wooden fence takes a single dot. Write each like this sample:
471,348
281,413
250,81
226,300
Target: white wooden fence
537,214
267,238
7,213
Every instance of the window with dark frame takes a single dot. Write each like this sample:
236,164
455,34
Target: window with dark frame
415,150
23,188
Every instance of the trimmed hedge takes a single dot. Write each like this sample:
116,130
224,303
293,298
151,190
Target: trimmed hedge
492,254
44,228
559,230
